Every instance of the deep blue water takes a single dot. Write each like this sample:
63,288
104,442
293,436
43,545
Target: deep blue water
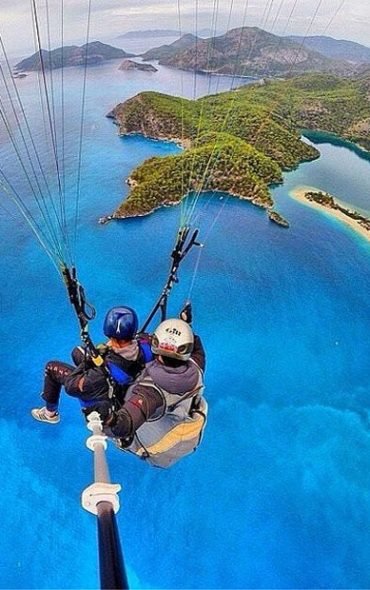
278,494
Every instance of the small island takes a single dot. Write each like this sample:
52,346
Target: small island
323,201
129,64
93,53
277,218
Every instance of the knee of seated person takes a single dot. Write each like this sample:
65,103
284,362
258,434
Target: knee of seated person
50,366
78,355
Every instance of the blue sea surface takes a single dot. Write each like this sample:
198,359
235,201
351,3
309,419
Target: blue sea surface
277,496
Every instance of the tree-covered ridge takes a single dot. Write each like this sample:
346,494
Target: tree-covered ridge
157,115
319,102
258,125
240,141
228,165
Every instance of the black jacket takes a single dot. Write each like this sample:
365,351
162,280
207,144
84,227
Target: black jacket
95,385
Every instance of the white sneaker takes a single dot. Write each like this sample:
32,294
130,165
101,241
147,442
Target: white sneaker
40,415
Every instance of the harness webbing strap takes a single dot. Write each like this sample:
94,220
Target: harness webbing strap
182,247
84,311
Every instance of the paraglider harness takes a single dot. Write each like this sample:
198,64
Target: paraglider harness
85,312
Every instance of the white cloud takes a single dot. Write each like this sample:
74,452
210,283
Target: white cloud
112,17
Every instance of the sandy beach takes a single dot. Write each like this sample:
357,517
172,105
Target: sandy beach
299,194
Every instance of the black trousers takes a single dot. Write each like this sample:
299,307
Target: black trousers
55,376
56,373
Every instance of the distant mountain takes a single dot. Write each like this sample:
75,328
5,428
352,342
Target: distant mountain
165,52
335,48
73,55
245,51
150,33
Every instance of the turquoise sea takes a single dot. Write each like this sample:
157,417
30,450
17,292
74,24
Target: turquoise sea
278,494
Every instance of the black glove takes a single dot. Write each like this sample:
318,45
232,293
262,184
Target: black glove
186,314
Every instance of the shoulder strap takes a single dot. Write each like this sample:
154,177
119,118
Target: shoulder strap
193,393
147,381
197,366
186,396
146,350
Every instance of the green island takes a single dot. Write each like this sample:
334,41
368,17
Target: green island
238,142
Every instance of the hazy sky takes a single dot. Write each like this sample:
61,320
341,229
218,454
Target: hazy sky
344,19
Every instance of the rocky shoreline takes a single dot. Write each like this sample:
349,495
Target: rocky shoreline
272,215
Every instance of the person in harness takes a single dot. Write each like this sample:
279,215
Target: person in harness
124,355
164,413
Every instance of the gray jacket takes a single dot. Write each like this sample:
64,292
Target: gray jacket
148,399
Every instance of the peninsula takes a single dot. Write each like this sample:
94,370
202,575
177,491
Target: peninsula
323,201
238,142
240,162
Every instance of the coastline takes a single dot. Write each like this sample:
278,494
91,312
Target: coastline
132,183
298,194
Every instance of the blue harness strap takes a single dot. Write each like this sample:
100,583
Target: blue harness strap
119,375
146,350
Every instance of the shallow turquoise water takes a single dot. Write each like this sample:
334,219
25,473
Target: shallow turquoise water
278,494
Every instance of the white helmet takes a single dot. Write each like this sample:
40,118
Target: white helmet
173,338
